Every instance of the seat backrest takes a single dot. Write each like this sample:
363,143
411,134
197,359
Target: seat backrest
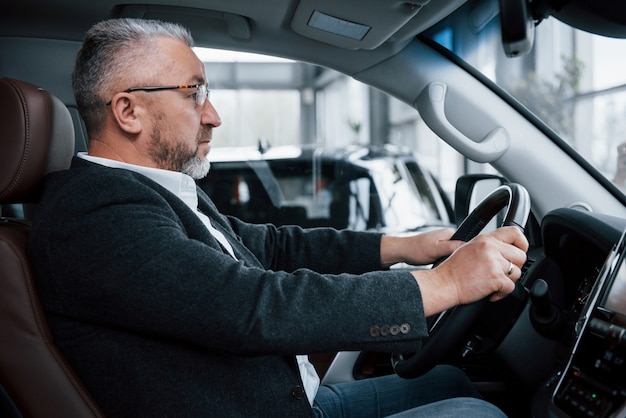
36,137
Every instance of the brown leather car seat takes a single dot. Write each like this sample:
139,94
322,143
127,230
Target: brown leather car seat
36,137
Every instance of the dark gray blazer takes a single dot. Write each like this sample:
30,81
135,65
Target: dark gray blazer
158,320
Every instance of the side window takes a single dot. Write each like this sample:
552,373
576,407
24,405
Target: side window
312,195
402,206
362,198
239,192
424,190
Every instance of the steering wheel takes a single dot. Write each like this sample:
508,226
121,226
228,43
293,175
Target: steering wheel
450,326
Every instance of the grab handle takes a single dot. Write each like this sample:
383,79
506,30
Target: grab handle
430,103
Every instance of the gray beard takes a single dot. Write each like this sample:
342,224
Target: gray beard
196,168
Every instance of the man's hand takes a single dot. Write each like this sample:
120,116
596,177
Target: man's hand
487,266
419,249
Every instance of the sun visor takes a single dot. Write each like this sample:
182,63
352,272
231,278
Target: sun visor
237,27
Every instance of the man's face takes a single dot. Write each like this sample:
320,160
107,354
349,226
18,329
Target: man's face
175,153
181,130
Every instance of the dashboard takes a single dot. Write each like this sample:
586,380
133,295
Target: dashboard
572,366
594,380
583,267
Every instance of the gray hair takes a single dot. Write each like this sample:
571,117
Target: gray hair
109,54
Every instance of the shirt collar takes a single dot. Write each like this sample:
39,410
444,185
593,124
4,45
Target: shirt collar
178,183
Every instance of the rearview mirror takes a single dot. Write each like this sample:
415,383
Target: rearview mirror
517,27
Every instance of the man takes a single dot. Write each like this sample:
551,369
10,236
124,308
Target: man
167,308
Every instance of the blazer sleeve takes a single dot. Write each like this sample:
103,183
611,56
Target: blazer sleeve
132,258
324,250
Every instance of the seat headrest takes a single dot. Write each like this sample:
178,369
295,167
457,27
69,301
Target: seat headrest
36,138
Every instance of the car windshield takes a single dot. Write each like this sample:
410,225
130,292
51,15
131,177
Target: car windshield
569,80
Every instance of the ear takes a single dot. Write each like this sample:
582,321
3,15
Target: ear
127,112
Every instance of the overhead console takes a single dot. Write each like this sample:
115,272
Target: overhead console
340,24
594,382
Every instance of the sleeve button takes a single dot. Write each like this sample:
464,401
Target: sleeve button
374,331
384,330
405,328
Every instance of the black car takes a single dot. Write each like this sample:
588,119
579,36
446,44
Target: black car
361,188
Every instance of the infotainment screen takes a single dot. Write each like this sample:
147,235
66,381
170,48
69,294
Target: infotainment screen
615,299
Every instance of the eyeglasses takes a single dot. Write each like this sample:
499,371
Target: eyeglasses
202,93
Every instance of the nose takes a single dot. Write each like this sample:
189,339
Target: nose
210,115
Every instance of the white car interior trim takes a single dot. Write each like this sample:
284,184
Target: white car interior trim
431,103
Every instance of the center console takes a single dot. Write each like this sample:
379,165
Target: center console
594,382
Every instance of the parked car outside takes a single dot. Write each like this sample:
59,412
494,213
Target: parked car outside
360,188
